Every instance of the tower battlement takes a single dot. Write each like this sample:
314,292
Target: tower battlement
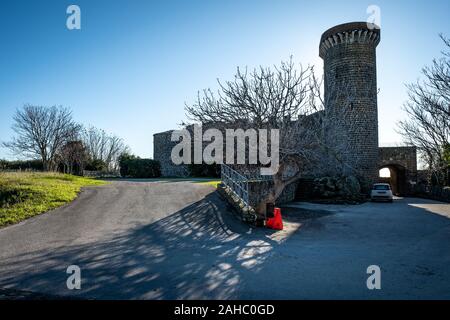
349,33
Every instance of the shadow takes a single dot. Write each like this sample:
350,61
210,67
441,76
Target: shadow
302,214
204,252
200,251
421,200
439,208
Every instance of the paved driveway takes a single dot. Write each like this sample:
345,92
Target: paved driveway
175,240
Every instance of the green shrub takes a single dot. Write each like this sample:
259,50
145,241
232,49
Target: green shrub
96,165
3,164
135,167
346,188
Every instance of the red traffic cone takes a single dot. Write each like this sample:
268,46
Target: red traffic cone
276,222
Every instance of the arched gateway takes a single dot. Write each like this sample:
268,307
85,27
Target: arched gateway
402,165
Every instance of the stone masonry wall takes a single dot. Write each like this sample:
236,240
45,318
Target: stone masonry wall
403,156
402,161
162,149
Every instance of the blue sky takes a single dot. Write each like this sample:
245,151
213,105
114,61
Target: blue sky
134,64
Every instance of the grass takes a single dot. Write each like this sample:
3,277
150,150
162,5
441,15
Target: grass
206,181
213,183
24,195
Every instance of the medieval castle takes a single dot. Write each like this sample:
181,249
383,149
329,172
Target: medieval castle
349,54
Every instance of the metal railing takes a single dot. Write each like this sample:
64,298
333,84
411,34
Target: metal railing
237,182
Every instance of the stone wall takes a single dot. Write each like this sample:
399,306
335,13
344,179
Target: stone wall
401,156
402,163
162,149
259,189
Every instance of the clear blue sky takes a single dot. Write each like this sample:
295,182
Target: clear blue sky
134,64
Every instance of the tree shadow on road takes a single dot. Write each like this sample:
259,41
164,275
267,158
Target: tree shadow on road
202,251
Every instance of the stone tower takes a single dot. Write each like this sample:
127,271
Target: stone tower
348,52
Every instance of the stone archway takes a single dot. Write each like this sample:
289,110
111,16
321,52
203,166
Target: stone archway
397,178
402,165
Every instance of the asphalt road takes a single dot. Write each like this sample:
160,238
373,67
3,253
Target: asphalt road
178,240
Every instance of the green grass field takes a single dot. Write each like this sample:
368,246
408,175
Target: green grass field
23,194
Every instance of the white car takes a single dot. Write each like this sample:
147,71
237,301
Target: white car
381,191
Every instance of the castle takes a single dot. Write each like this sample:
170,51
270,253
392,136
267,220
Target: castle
349,54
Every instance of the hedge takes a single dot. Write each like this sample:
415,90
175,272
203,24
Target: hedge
134,167
34,165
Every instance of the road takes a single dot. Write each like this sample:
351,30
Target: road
179,240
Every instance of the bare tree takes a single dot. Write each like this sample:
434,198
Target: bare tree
73,157
103,146
41,131
290,100
428,110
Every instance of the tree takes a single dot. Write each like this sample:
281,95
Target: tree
41,131
290,100
103,147
73,157
446,154
3,164
124,160
428,110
